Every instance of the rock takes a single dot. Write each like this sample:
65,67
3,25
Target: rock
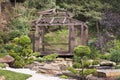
7,59
2,78
52,69
68,59
59,60
68,73
91,77
107,63
107,73
69,62
52,66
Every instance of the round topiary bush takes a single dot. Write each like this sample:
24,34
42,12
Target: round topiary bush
82,51
21,51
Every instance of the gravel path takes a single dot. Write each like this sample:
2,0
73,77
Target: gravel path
35,76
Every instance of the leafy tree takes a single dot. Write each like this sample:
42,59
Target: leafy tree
40,4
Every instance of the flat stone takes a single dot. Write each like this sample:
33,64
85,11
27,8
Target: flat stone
107,63
60,59
68,59
50,67
107,73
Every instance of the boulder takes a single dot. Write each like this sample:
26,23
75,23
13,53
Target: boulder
107,63
107,73
69,73
7,59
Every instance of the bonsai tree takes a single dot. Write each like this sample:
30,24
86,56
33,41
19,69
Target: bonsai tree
81,53
20,49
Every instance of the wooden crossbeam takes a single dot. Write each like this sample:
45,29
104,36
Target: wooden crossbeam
64,20
59,24
47,44
52,20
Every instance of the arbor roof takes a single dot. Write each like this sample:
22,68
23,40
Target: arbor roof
56,17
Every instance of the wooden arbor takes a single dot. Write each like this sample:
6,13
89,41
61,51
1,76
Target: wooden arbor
55,17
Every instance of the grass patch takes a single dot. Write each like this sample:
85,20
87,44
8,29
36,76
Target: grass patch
9,75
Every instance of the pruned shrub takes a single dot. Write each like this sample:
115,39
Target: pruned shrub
21,51
81,55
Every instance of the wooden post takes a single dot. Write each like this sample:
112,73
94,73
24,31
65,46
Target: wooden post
43,43
82,35
85,35
33,40
37,38
15,3
71,38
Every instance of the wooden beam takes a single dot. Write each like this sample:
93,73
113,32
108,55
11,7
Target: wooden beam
60,24
47,44
38,20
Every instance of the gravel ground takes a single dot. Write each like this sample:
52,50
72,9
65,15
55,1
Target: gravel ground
35,76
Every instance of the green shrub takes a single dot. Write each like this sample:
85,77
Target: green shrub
73,70
47,58
81,54
76,65
117,67
115,55
82,51
19,63
88,71
50,57
95,62
64,76
40,59
105,56
2,65
86,64
3,50
21,51
94,53
24,40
